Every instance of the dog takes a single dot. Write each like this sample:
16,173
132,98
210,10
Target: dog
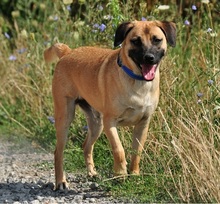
117,87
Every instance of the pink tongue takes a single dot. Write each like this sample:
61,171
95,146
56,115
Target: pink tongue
149,71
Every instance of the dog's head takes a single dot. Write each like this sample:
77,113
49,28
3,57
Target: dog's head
144,44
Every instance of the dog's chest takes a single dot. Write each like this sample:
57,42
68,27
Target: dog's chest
136,107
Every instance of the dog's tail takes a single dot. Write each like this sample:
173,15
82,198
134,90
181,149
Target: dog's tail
57,50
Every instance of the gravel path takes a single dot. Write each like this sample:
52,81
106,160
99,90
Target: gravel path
27,176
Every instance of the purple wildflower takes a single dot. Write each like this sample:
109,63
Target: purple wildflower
12,58
7,35
85,128
210,81
199,95
51,119
102,27
68,7
194,8
96,25
209,30
187,23
143,19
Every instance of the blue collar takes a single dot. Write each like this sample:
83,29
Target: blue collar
129,72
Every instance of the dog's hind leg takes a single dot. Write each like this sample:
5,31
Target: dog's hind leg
64,108
95,127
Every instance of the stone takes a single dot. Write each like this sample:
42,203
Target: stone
24,180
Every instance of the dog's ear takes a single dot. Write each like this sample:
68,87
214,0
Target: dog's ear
169,29
121,32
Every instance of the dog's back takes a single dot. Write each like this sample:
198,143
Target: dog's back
58,50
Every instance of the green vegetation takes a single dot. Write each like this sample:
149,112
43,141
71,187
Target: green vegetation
181,159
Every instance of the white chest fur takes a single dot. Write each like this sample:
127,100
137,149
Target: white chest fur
138,103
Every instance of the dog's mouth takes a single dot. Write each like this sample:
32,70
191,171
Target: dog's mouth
148,71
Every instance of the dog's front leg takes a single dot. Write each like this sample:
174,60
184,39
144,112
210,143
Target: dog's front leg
117,148
139,138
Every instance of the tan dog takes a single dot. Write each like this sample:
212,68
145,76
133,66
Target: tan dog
113,87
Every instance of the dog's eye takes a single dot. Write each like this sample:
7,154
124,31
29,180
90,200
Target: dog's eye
157,40
136,41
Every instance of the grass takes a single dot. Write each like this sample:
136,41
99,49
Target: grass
181,158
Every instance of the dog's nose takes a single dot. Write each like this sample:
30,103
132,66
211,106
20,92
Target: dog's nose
149,58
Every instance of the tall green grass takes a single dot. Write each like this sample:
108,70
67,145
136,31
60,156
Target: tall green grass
181,158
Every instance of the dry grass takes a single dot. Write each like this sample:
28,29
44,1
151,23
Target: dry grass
199,156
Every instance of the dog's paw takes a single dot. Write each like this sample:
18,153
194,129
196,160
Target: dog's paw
91,172
135,172
120,171
62,186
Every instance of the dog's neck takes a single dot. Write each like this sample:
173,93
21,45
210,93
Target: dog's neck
128,71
